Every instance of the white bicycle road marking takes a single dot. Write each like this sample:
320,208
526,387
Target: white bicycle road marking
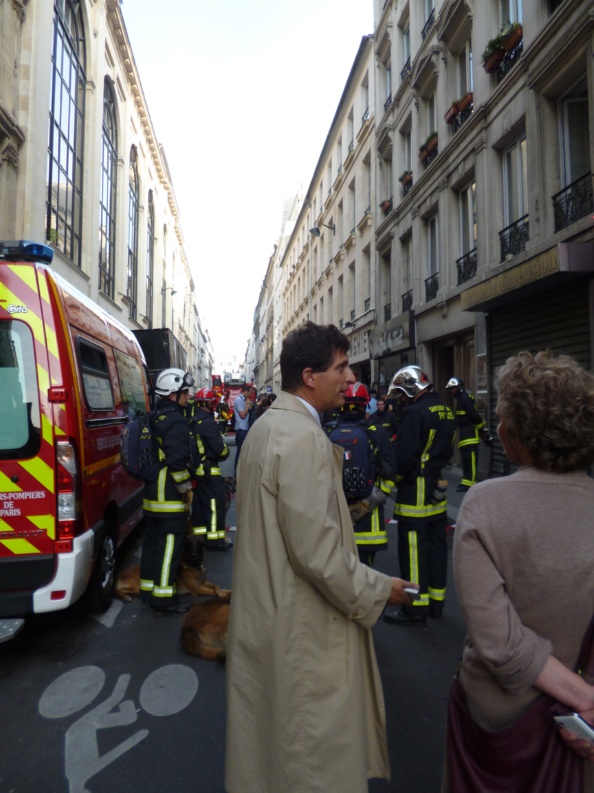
166,691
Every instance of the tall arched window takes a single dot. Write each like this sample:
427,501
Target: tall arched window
107,199
164,282
63,225
133,202
150,258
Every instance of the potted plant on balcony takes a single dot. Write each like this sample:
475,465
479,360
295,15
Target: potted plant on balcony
431,141
464,101
405,178
493,54
512,35
452,113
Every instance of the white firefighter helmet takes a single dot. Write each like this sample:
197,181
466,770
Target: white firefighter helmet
454,382
410,380
170,381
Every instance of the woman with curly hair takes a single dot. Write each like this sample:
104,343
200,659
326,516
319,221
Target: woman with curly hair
524,572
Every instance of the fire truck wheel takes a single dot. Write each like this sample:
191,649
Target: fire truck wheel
102,584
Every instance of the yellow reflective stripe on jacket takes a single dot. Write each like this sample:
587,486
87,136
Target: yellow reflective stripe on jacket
437,594
180,476
426,511
425,455
378,534
163,506
213,471
386,485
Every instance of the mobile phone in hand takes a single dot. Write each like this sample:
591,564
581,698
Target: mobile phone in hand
577,725
412,593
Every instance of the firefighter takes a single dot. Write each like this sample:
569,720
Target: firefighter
167,499
224,416
209,508
367,514
469,423
423,447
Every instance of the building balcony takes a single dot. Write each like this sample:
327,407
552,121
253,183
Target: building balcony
573,202
428,25
406,69
466,266
513,239
407,301
509,61
431,287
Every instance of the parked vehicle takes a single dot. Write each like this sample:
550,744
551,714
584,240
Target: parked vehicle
162,350
70,376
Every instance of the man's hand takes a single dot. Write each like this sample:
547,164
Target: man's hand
187,498
358,510
398,597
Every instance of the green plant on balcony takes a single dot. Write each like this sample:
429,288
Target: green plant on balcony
431,141
512,33
493,53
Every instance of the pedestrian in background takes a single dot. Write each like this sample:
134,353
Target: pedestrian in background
305,707
469,423
241,410
524,572
385,418
423,447
167,500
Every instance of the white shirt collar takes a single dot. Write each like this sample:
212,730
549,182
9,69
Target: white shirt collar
311,409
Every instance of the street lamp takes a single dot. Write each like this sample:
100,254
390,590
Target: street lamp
315,231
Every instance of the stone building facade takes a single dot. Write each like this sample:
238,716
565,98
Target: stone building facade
81,167
452,203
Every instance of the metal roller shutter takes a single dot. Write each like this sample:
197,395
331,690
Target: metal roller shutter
559,320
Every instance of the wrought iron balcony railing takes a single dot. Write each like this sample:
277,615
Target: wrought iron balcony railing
428,25
466,266
463,117
405,70
407,300
431,287
513,239
573,202
508,63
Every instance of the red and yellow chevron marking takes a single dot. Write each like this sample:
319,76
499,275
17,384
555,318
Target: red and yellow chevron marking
28,525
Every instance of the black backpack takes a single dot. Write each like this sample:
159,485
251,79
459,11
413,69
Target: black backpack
139,452
358,463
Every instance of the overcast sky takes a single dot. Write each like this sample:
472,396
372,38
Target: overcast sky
241,95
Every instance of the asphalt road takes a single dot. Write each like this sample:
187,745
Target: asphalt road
114,704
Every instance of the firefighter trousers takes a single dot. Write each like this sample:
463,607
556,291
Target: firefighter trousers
162,548
209,508
469,459
423,556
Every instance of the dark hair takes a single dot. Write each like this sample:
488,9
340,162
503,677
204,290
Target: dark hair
309,347
547,401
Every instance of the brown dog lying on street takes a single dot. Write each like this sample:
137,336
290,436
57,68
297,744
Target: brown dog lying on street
190,580
204,629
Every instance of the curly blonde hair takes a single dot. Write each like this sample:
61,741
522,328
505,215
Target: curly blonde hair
547,401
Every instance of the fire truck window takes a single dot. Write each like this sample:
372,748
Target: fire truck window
20,419
95,376
131,381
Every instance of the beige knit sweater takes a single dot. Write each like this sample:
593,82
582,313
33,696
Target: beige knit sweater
524,572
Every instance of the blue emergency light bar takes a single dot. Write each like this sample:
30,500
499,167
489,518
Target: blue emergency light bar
23,250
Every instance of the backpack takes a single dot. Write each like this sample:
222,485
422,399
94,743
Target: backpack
138,449
358,464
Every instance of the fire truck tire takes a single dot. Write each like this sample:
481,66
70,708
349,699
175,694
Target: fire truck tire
100,590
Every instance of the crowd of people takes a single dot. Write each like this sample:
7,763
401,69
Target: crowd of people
305,708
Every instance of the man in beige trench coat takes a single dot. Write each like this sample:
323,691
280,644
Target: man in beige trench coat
305,709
